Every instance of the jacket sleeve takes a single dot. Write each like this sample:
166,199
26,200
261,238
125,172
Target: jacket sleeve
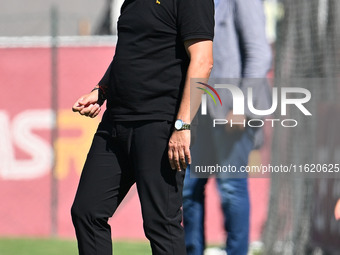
255,50
255,53
106,78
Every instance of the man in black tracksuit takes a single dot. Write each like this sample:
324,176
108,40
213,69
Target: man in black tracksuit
144,135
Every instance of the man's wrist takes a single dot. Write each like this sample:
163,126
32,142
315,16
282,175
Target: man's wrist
181,125
101,94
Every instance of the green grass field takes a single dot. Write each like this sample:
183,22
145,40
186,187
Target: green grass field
30,246
25,246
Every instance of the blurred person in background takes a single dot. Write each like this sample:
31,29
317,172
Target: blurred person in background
115,12
144,134
241,50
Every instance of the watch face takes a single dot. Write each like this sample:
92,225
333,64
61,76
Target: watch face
178,124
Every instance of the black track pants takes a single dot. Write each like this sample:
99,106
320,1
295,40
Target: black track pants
121,154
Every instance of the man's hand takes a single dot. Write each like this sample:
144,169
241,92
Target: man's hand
88,105
236,119
179,152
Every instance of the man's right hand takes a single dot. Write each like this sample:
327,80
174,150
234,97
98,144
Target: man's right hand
88,105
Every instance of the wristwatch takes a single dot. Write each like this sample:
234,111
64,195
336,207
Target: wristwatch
180,125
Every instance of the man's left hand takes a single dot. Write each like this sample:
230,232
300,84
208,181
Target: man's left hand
179,152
